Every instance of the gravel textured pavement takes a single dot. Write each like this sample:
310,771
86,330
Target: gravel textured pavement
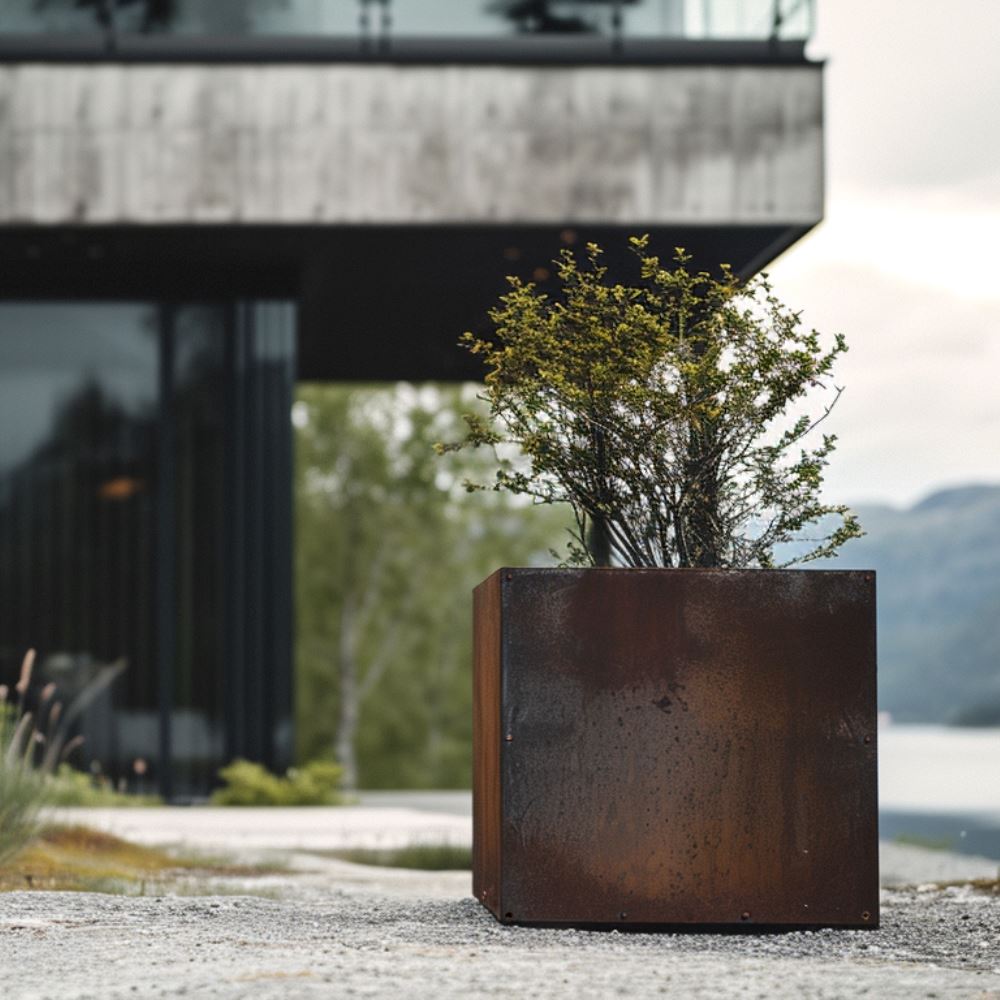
335,929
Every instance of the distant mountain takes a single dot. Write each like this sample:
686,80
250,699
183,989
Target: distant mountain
938,566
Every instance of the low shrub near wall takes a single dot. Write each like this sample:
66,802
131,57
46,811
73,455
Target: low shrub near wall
248,784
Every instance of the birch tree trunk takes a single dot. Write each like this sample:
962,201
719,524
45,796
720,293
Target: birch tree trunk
349,701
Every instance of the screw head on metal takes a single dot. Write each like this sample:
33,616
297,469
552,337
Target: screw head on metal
623,915
745,915
866,916
868,739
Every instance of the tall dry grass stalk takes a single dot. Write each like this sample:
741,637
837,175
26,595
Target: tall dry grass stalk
32,746
22,787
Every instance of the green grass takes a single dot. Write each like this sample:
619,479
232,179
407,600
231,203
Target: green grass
69,787
22,793
33,773
80,859
426,857
22,788
929,843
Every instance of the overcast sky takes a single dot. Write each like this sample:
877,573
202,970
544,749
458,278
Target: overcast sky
907,262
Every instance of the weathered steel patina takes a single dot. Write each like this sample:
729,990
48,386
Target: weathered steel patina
676,747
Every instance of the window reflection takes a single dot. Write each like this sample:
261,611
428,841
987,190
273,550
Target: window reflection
87,575
414,18
78,397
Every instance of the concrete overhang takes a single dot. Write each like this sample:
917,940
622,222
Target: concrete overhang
389,200
389,145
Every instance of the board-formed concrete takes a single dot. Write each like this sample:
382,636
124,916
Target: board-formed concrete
682,145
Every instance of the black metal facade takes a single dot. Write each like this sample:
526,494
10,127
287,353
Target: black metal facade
145,478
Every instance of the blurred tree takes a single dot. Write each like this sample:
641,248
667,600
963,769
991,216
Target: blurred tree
389,546
214,17
537,16
154,14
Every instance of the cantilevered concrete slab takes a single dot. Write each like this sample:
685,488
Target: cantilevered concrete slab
389,144
389,199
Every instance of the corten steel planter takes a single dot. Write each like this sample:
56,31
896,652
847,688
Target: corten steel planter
676,747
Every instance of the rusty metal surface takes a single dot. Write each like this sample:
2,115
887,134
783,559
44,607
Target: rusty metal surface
486,743
687,747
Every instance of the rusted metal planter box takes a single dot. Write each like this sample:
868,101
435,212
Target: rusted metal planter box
676,747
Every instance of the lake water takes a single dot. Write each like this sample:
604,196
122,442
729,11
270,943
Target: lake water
941,785
936,784
939,769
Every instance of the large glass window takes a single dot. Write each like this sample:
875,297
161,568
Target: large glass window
78,409
144,517
413,18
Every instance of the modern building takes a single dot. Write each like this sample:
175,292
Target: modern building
201,202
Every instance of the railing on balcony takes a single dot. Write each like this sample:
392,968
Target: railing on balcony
380,22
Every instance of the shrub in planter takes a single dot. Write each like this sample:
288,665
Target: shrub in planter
659,412
690,740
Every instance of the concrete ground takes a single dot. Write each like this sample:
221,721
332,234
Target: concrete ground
329,928
312,828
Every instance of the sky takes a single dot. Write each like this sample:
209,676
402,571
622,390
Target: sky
907,261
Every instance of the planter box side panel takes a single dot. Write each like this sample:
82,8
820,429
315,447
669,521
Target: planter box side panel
486,739
689,747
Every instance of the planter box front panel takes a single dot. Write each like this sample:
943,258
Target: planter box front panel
681,747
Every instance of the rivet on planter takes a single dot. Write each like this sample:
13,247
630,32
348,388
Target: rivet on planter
868,739
623,915
509,737
745,915
866,915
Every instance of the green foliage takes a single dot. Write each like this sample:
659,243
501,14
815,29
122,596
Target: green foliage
389,547
22,788
70,787
248,784
80,859
33,772
427,857
660,411
929,843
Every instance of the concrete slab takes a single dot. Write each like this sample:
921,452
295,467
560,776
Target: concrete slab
314,828
397,819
